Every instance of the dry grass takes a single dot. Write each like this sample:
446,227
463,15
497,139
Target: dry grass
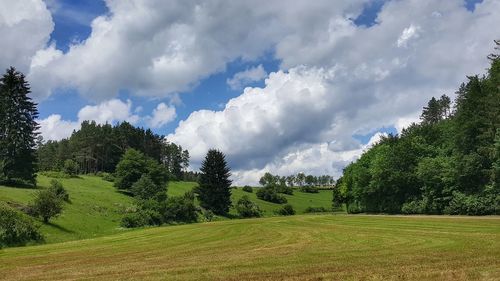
306,247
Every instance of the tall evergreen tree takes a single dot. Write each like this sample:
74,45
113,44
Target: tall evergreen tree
215,185
18,129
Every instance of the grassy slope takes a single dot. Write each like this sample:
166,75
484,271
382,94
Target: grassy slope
97,207
306,247
299,200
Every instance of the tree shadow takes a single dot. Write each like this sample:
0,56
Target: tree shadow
61,228
18,184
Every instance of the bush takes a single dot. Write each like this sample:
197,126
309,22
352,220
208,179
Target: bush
70,167
145,188
181,209
139,218
55,174
208,215
284,189
46,205
316,210
16,229
247,208
247,188
472,205
57,188
413,207
309,189
286,210
133,165
270,195
106,176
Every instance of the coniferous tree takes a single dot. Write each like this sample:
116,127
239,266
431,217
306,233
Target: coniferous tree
18,129
215,185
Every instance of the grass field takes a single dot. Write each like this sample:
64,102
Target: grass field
96,207
305,247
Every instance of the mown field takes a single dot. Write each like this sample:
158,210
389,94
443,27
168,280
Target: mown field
96,207
304,247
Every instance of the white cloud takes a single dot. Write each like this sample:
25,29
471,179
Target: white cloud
354,80
246,77
55,128
162,115
408,33
153,48
25,27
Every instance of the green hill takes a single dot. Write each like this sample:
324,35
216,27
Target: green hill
96,207
304,247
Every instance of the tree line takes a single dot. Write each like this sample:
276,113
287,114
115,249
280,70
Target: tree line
298,180
99,147
449,163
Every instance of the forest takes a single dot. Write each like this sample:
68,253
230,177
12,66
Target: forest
449,163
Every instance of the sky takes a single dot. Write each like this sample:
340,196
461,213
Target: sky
278,86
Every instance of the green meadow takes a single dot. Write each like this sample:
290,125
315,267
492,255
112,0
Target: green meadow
302,247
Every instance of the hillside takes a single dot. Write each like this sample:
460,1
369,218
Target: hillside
306,247
96,207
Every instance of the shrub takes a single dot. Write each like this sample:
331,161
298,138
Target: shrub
106,176
286,210
70,167
270,195
133,165
181,209
247,208
413,207
309,189
46,205
139,218
472,205
57,188
284,189
145,188
316,210
208,215
55,174
16,229
247,188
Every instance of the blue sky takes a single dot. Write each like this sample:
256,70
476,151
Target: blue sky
324,81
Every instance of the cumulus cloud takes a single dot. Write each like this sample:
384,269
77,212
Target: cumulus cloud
246,77
25,27
162,115
156,49
111,111
353,80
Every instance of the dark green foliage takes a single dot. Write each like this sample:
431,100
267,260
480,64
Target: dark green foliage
286,210
55,174
139,218
57,188
247,208
47,205
16,229
180,209
315,210
146,189
269,194
324,181
70,167
175,159
98,148
133,165
447,164
247,188
215,185
18,130
309,189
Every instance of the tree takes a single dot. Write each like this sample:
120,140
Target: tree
16,229
247,208
18,129
46,205
70,167
145,188
215,185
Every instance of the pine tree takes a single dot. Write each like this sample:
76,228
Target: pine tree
18,129
215,185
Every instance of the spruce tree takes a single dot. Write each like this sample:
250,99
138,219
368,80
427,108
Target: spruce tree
18,129
215,185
